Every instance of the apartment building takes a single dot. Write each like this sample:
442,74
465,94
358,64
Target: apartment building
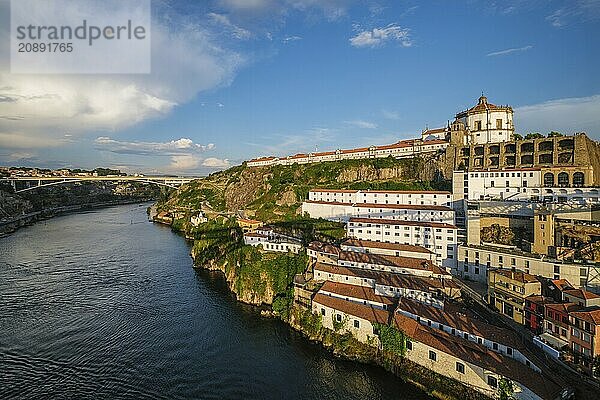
342,212
437,237
427,290
584,339
507,290
462,323
474,261
390,249
406,197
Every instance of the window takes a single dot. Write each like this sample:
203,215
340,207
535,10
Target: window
356,323
338,317
460,367
322,311
409,345
432,355
499,124
509,351
492,381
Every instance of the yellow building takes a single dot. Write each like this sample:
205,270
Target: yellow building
507,290
249,225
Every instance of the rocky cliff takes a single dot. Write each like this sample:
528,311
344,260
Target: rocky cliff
275,193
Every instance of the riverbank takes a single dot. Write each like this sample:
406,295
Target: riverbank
266,281
10,226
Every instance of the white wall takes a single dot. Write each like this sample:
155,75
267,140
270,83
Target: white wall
441,241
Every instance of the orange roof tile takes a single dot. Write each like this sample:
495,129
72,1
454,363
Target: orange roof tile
358,310
388,246
401,222
358,292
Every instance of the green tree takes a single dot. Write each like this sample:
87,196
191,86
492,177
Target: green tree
517,136
596,367
554,134
392,340
534,135
506,389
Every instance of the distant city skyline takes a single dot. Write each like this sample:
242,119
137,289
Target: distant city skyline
233,80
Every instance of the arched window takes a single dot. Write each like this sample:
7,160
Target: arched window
578,179
563,179
548,179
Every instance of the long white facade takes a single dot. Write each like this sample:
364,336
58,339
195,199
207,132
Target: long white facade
437,237
430,198
401,149
343,211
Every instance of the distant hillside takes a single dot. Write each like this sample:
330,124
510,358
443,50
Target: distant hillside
275,193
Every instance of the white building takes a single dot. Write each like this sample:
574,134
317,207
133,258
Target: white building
341,212
496,185
475,260
271,243
525,184
401,149
404,197
198,219
435,236
427,290
487,123
390,249
460,322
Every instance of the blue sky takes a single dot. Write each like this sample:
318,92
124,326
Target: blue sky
236,79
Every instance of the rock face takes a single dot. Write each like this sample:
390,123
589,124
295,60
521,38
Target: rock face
288,198
238,194
243,293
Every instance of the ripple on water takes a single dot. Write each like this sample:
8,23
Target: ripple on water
96,307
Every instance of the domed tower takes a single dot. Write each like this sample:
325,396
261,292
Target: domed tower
488,123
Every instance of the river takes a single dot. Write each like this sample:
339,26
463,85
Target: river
105,304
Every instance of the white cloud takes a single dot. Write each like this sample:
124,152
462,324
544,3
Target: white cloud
362,124
378,37
173,147
330,9
187,58
291,39
184,162
510,51
184,154
576,11
236,31
568,115
215,163
394,115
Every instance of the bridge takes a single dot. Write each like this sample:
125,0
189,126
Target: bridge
26,183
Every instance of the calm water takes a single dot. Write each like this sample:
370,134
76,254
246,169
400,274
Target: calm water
107,305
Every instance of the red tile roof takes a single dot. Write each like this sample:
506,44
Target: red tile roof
390,206
414,282
383,259
324,248
401,222
545,386
581,294
516,275
358,292
462,319
358,310
591,316
382,191
389,246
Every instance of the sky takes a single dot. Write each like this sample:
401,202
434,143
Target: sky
235,79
